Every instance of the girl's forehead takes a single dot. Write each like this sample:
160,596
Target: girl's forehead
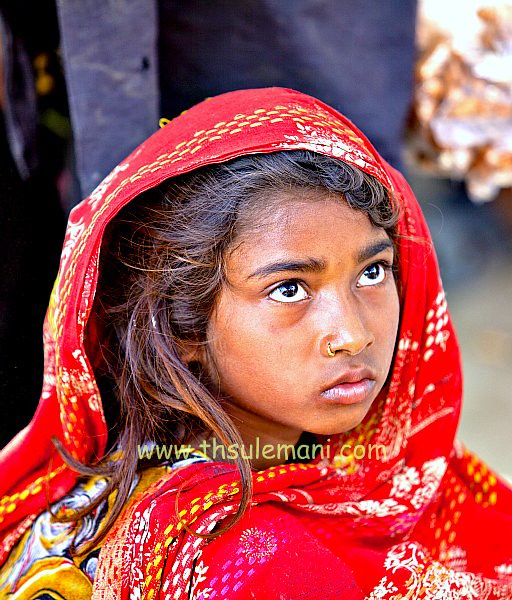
320,226
275,208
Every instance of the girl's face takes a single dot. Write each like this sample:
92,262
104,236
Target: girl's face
314,271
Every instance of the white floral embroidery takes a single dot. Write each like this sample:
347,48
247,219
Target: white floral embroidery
504,570
436,467
375,508
257,545
383,590
432,473
330,143
199,576
97,195
430,580
73,233
405,481
82,381
140,533
453,557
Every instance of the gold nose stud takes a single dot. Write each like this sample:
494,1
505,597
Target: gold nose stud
330,351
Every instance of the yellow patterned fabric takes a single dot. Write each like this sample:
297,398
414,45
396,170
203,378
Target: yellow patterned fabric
42,567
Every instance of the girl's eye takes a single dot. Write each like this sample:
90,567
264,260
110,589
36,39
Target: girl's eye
289,291
374,274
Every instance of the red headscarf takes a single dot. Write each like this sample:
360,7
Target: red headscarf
427,517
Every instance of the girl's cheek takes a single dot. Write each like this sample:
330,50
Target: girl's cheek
273,315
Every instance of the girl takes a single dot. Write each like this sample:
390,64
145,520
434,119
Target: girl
250,367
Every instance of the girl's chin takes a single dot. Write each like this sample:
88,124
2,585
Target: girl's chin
341,426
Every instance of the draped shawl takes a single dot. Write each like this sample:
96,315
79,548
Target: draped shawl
424,518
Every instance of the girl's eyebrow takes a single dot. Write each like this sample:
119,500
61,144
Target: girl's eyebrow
315,265
374,249
309,265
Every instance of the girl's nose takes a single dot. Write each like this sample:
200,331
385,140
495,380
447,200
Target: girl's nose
346,330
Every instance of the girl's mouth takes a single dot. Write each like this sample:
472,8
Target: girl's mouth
350,393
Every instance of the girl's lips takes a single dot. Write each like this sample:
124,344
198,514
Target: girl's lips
350,393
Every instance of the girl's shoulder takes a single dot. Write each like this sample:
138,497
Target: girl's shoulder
43,560
163,542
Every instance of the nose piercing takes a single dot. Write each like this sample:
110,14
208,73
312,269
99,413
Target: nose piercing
330,351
